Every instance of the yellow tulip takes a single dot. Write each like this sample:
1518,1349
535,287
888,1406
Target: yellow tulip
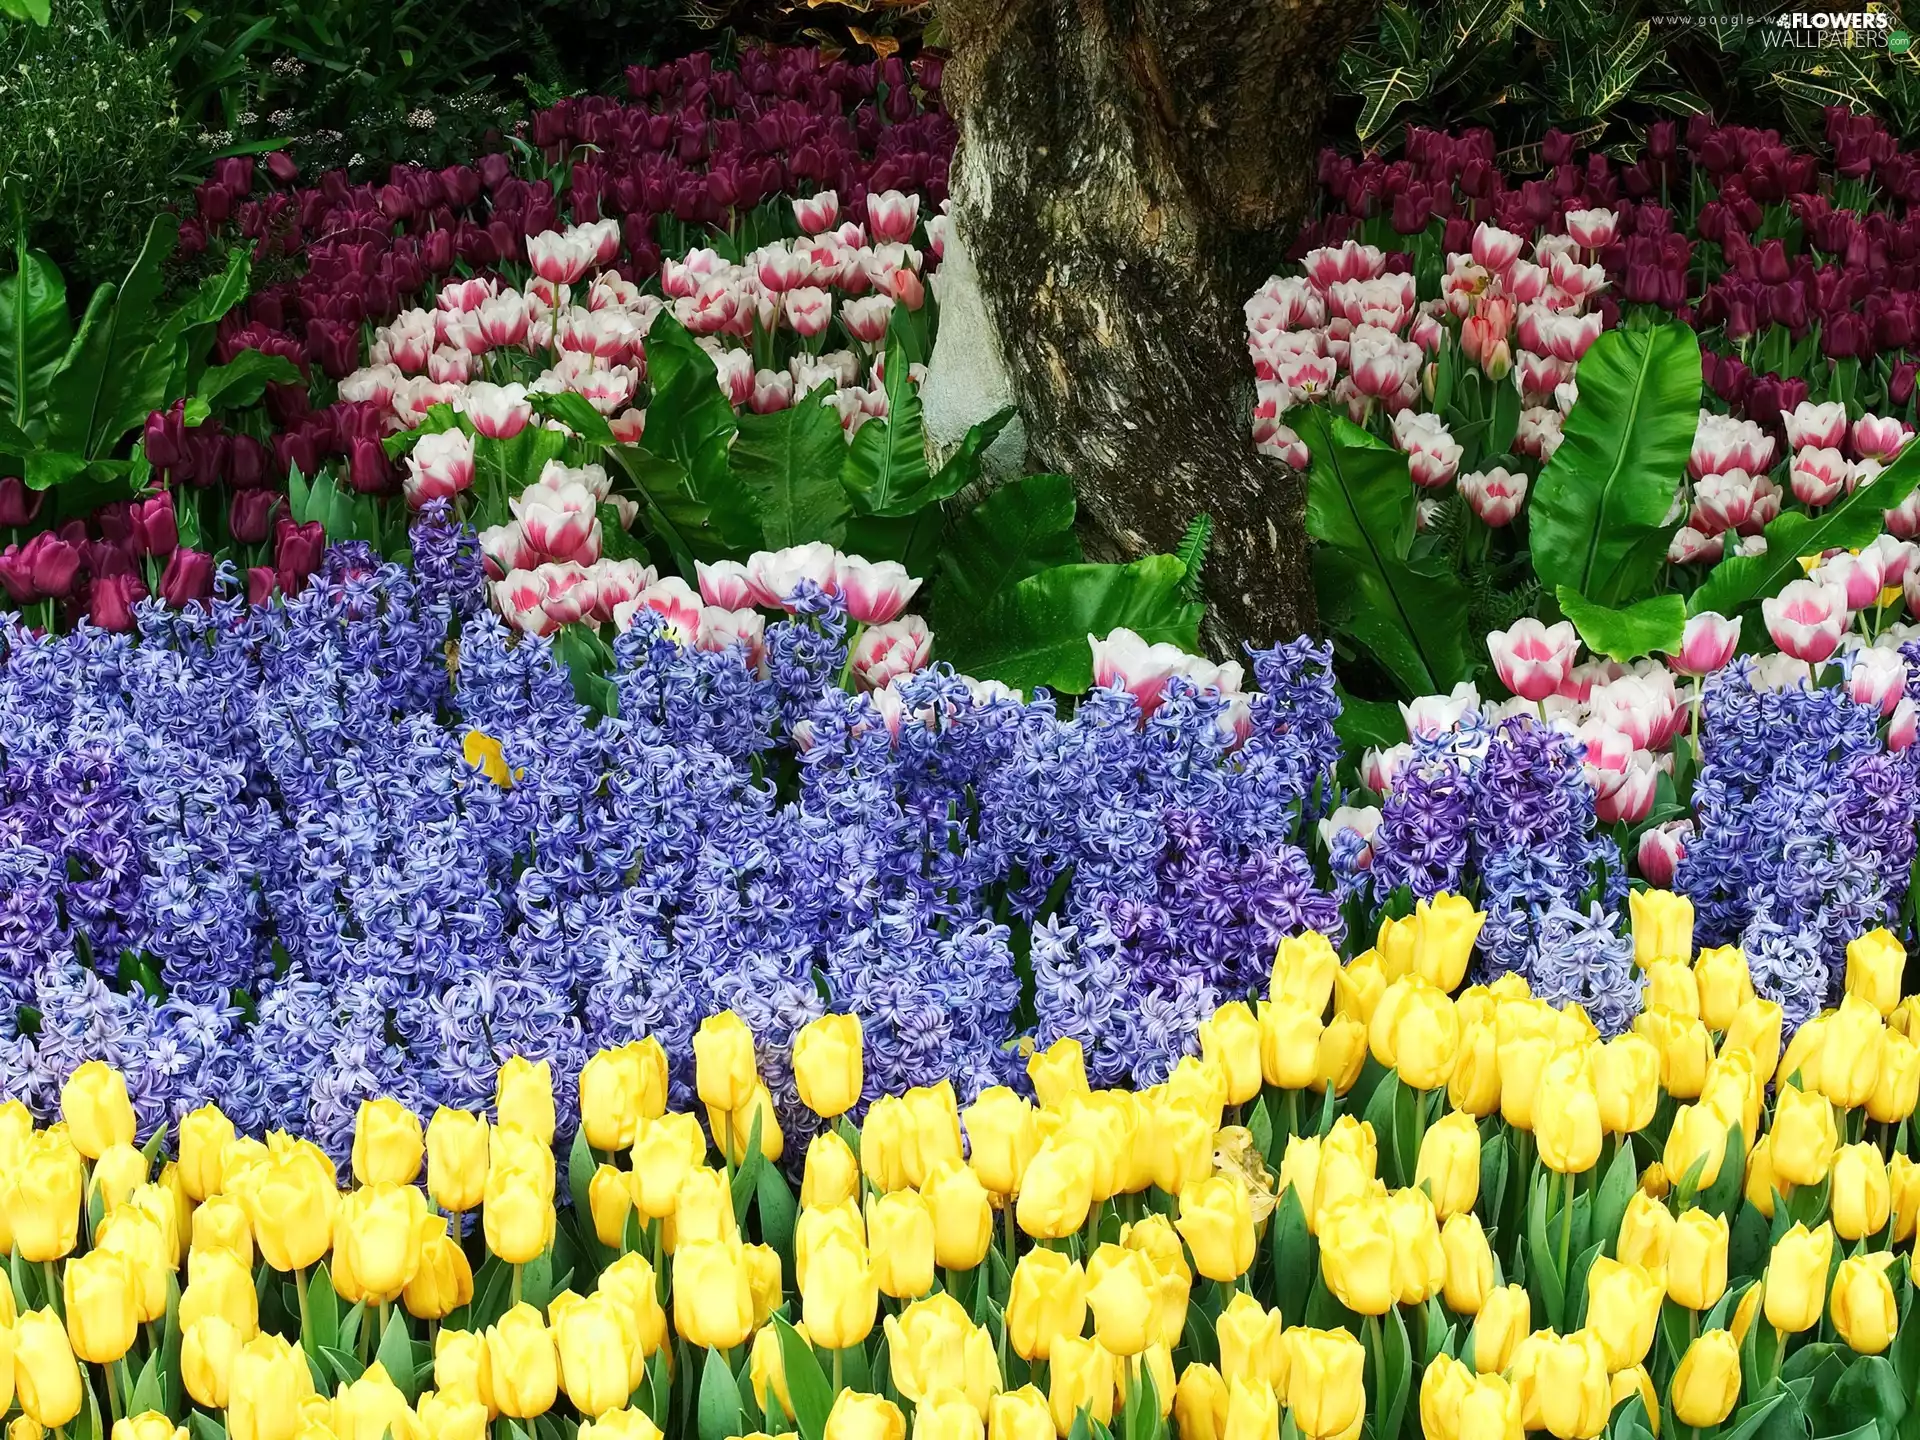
1725,983
713,1294
1443,1391
838,1297
1230,1038
523,1368
828,1066
1425,1033
1001,1139
1759,1187
1059,1072
1253,1411
517,1204
1343,1054
208,1348
1358,987
610,1202
1505,1319
1646,1233
1289,1043
1566,1384
946,1415
96,1110
1469,1263
901,1241
620,1089
592,1344
856,1416
1623,1306
1216,1221
220,1285
1876,964
1697,1261
767,1372
1903,1188
523,1098
1685,1048
1896,1089
1300,1173
1850,1057
1082,1377
457,1152
1252,1343
629,1281
266,1385
831,1175
1706,1386
373,1407
1181,1145
724,1067
665,1151
1199,1405
1696,1145
1626,1076
1521,1061
1444,931
378,1231
1671,986
1020,1414
1662,927
1796,1278
102,1305
1304,967
1357,1253
444,1280
1860,1196
1756,1030
388,1143
962,1215
43,1193
291,1198
1448,1166
1566,1123
205,1135
1120,1293
1804,1137
1349,1162
1057,1190
1865,1314
460,1366
1419,1259
151,1425
935,1348
1047,1303
446,1416
1474,1086
1324,1389
135,1235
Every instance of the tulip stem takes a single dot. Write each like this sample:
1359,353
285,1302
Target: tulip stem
836,1374
300,1292
516,1287
113,1395
1566,1229
54,1298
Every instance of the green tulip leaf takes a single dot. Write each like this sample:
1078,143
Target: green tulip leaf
807,1383
719,1417
396,1353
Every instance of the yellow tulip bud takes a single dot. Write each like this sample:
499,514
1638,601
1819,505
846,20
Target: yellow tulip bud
1671,986
46,1380
1566,1123
208,1348
43,1196
291,1197
1646,1233
1349,1162
1057,1190
856,1416
1896,1089
1419,1259
962,1215
705,1211
1216,1221
205,1135
1876,964
1755,1029
102,1304
1698,1138
900,1237
1724,982
136,1235
1120,1293
1522,1060
1082,1377
517,1205
1685,1048
1474,1086
1567,1384
266,1386
1505,1319
816,1227
1444,931
1449,1164
117,1174
1424,1032
1850,1056
1356,1252
725,1068
1358,987
460,1366
1903,1186
1252,1344
767,1372
927,1131
610,1199
1733,1093
1861,1196
1662,926
1626,1076
592,1342
839,1295
443,1282
219,1285
1469,1263
221,1223
1760,1182
1343,1054
150,1425
1796,1278
1230,1038
935,1348
1623,1306
629,1282
1706,1385
1199,1405
523,1367
828,1064
1804,1137
1304,967
1001,1139
1059,1072
1047,1303
831,1175
1300,1173
387,1143
446,1416
456,1160
1289,1043
1253,1411
665,1152
1324,1389
1443,1390
947,1415
523,1098
95,1107
378,1230
1697,1260
619,1089
1020,1414
1865,1314
371,1408
733,1129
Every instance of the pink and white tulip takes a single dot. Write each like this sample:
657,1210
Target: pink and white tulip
1592,229
1661,849
1433,455
726,584
1905,723
1709,641
560,522
440,467
1877,437
817,214
1806,620
885,652
1379,767
558,258
1629,800
520,597
721,628
1431,716
874,591
1126,661
776,574
1495,495
1818,475
1533,660
1820,427
499,412
1877,678
1860,578
892,216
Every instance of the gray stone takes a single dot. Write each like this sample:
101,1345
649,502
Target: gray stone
967,379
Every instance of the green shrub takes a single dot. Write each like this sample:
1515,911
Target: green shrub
90,142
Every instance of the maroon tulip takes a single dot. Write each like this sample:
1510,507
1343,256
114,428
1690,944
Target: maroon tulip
251,513
260,584
297,552
247,461
187,578
18,504
111,600
281,167
155,528
53,563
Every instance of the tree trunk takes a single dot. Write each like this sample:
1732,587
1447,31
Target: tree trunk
1129,172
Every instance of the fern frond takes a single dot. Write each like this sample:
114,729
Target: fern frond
1192,553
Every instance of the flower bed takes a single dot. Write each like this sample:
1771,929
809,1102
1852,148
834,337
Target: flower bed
1368,1205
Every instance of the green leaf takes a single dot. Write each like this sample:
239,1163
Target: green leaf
807,1383
396,1353
244,379
962,467
34,333
690,425
38,11
1614,1195
577,414
1022,528
886,465
322,1326
1036,633
118,367
206,1427
1543,1270
1646,626
719,1415
1394,1366
773,1197
1598,514
1360,507
47,468
149,1391
1362,723
789,462
1850,522
580,1168
1294,1260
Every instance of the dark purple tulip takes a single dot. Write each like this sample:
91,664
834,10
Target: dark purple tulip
111,599
187,578
282,168
155,530
1900,385
250,515
164,437
297,552
16,574
261,582
247,461
18,504
53,564
368,469
1844,335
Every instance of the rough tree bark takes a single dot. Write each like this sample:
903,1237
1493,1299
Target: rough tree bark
1129,172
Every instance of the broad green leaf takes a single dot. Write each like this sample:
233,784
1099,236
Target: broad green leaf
48,468
1850,522
789,461
1022,528
34,333
807,1383
38,11
244,379
396,1353
1650,625
773,1198
674,512
962,467
1036,633
1412,616
1598,514
690,424
119,366
886,466
719,1413
577,414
